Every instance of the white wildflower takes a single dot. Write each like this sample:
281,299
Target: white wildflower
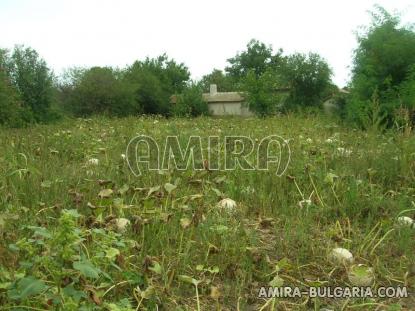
93,161
227,204
121,224
405,221
304,203
344,152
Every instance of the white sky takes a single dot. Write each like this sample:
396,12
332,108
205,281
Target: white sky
202,34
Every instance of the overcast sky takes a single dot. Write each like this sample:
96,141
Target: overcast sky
202,34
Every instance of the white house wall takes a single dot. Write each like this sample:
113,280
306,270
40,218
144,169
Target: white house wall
228,109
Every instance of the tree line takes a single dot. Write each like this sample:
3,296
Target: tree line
381,91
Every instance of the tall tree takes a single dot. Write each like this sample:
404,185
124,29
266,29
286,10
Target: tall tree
10,104
156,80
98,91
308,78
257,58
223,81
33,81
383,62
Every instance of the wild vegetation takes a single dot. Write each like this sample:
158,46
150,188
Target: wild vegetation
380,93
81,232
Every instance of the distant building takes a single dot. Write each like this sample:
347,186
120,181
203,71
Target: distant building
230,103
224,103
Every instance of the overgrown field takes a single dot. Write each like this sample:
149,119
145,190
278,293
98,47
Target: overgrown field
65,190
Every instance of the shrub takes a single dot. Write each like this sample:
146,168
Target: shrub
190,102
308,78
382,68
260,92
11,113
156,80
224,82
99,91
32,79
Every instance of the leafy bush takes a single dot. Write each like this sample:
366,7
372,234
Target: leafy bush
32,79
190,102
308,78
382,68
99,91
156,80
11,113
257,57
263,74
224,82
260,92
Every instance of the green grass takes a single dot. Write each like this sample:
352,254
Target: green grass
52,258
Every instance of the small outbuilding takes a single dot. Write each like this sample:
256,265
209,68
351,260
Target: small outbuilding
224,103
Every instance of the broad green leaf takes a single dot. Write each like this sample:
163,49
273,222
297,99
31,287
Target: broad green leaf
87,269
200,267
152,190
330,177
169,187
214,269
188,279
73,212
156,268
27,287
112,253
70,291
276,282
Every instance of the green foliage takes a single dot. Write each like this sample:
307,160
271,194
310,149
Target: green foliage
344,189
143,88
156,80
382,64
11,113
308,78
190,102
261,95
25,88
407,90
99,91
86,269
223,81
32,79
274,82
258,57
27,287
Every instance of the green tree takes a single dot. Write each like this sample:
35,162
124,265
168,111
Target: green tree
223,81
256,58
156,80
98,91
261,92
33,81
12,113
308,78
190,102
382,64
